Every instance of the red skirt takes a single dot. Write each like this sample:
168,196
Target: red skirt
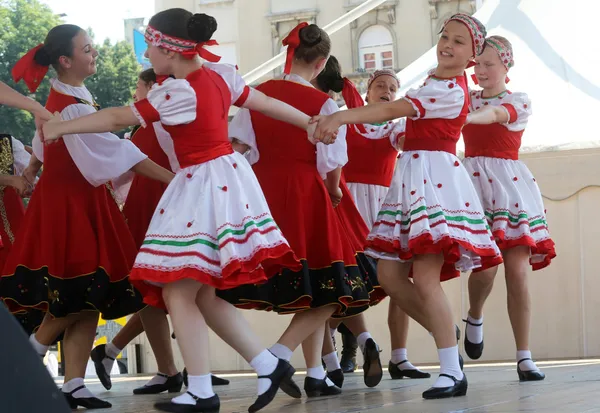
73,251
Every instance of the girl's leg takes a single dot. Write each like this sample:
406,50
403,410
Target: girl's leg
480,287
316,382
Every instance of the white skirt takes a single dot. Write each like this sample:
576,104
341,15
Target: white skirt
513,206
368,199
213,224
431,208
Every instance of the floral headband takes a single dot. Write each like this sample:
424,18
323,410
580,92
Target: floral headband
477,34
504,53
188,48
382,72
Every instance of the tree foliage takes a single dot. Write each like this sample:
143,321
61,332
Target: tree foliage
23,25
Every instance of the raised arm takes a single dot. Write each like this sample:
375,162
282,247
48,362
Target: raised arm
106,120
488,115
13,98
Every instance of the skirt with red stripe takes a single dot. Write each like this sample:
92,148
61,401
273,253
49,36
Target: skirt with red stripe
73,252
433,208
334,269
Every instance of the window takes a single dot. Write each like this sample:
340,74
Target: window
376,49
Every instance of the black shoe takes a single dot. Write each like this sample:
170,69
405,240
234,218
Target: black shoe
531,375
97,355
283,372
210,405
172,385
372,366
216,381
459,389
349,347
337,377
461,362
473,350
317,388
87,402
397,374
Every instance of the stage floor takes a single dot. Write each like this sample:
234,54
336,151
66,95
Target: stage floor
570,386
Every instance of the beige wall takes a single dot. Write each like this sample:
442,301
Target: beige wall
565,296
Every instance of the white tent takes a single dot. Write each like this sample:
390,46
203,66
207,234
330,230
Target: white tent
557,62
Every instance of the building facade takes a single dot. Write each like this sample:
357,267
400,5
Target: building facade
391,36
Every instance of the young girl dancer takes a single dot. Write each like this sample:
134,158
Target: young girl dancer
302,188
84,251
431,213
510,196
212,227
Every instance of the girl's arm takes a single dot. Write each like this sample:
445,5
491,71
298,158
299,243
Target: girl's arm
332,183
239,146
489,114
151,170
106,120
19,183
32,169
13,98
373,113
279,110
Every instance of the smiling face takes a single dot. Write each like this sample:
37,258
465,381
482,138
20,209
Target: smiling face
455,47
383,89
82,63
490,71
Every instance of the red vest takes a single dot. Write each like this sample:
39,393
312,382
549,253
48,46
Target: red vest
370,161
494,141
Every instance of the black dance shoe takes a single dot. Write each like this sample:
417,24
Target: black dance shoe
529,375
210,405
87,402
372,367
317,388
396,373
172,385
97,355
459,389
283,372
349,347
216,381
337,377
473,350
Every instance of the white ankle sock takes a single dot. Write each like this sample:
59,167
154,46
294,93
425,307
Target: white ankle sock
474,333
527,365
319,374
113,352
199,386
281,351
331,362
158,379
72,384
264,364
362,339
39,347
399,355
448,365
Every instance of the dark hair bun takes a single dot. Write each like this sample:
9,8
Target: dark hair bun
42,57
310,35
334,82
201,27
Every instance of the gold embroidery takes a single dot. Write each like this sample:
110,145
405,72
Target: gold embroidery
328,285
357,284
6,156
4,216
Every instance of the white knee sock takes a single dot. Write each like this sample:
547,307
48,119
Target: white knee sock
527,365
264,364
399,355
362,339
474,333
72,384
38,347
448,365
281,351
199,386
331,362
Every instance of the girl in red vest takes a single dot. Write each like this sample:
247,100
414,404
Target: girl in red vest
212,229
304,192
431,214
510,196
368,183
72,256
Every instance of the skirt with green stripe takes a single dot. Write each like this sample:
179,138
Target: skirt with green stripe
432,207
212,225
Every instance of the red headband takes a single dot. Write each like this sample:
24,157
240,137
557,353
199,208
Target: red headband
292,41
187,48
31,72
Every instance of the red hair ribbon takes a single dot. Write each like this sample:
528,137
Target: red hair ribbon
292,41
353,100
31,72
200,50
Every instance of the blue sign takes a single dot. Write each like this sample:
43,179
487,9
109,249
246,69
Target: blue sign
140,47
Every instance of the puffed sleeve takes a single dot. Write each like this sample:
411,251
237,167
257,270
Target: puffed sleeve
437,99
330,157
241,129
518,107
237,86
398,133
20,155
172,103
100,157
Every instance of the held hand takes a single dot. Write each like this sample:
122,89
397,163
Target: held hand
52,128
20,184
327,128
30,174
41,116
336,197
